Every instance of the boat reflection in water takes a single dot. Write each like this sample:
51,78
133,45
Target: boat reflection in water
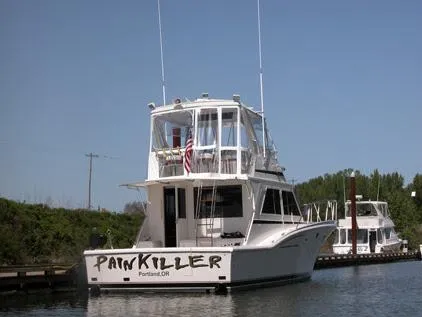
361,288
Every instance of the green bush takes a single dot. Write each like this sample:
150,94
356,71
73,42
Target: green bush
40,234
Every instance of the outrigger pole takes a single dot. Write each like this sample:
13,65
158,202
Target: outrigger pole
162,57
261,78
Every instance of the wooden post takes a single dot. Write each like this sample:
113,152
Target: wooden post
353,211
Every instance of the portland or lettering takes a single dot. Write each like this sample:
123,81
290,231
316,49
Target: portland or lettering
148,261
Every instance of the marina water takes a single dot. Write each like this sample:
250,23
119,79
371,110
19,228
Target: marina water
373,290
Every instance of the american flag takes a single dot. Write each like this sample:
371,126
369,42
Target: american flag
188,151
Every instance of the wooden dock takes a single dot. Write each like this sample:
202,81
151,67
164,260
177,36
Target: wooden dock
336,260
25,278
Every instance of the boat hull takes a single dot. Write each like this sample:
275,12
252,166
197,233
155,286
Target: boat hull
365,248
291,258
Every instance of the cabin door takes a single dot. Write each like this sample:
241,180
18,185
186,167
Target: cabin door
170,239
372,240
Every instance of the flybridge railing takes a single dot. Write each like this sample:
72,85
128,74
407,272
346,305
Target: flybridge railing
320,211
171,162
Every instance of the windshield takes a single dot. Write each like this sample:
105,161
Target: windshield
171,130
362,209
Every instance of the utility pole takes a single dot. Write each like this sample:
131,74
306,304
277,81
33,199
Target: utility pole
90,155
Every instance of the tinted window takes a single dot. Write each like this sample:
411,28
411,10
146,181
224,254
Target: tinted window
379,235
336,235
361,236
181,202
342,236
289,204
387,233
272,202
228,202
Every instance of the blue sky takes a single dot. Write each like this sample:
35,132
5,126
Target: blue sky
342,86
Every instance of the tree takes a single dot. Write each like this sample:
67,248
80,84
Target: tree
135,207
40,234
416,186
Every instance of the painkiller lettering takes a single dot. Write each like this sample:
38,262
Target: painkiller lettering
148,261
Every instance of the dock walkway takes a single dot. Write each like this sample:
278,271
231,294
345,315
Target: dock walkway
324,261
27,277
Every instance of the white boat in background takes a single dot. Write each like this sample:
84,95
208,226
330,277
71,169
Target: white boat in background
220,214
375,229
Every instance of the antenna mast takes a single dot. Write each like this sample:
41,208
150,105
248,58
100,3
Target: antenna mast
261,79
162,57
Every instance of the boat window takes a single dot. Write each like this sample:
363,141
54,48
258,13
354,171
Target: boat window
228,162
248,138
387,233
181,202
336,236
170,130
244,137
229,127
289,204
366,210
272,202
361,236
257,126
207,127
362,209
384,209
342,236
379,235
228,202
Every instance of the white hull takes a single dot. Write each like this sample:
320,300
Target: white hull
365,248
207,268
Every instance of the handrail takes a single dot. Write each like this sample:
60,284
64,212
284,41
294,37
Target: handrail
249,227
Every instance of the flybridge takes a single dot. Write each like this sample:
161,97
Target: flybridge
178,104
226,139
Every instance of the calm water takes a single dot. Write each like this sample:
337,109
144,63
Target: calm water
376,290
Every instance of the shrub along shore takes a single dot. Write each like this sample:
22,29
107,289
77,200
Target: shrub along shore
36,233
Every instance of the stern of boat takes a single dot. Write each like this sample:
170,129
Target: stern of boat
163,268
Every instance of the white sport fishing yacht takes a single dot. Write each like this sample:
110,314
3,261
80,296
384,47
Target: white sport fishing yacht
220,214
375,229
